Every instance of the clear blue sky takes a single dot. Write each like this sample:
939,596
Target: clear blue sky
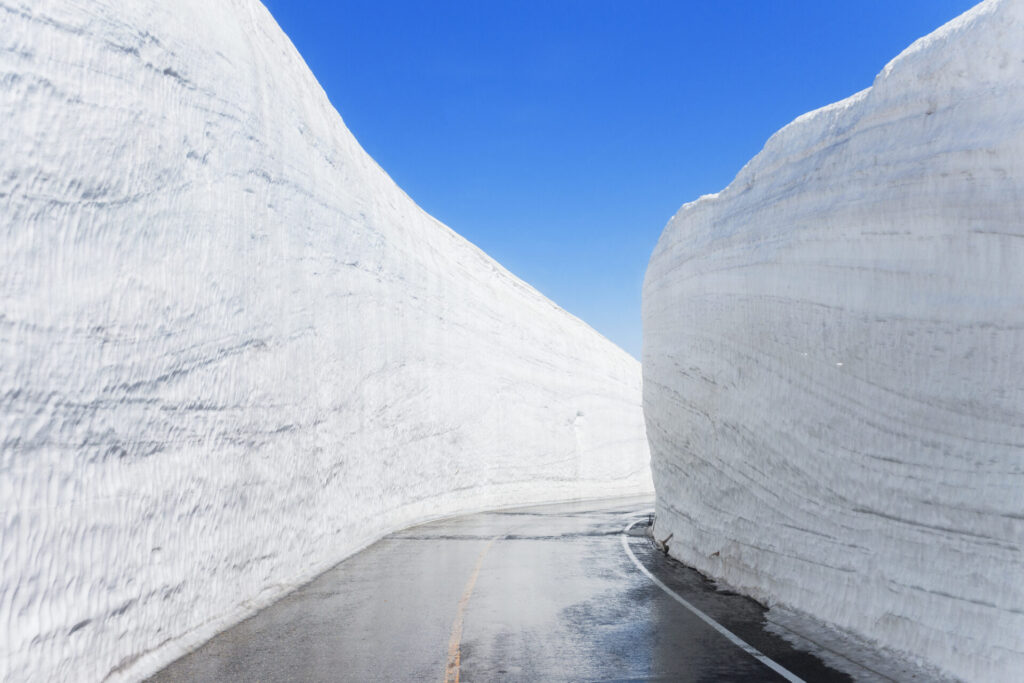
561,135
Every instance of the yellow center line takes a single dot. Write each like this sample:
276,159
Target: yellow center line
451,671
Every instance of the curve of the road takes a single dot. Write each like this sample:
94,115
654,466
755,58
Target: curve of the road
548,593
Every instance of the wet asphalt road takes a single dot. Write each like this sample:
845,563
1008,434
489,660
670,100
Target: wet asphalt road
533,594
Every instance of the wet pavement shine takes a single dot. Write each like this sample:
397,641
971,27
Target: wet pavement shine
548,593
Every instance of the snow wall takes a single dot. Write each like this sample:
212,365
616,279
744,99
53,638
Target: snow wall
232,351
833,384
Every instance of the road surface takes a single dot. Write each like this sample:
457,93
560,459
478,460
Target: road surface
551,593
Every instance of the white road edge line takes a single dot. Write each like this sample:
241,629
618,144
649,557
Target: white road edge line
733,638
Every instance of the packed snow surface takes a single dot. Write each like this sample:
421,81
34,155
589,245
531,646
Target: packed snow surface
232,351
833,346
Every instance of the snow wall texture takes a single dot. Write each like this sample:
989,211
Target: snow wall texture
832,356
233,351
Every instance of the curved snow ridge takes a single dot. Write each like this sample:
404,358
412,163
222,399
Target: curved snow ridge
831,386
935,71
232,351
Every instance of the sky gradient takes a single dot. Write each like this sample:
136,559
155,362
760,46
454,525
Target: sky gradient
561,136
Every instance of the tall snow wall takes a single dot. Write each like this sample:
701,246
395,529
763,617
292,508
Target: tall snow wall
832,356
232,351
